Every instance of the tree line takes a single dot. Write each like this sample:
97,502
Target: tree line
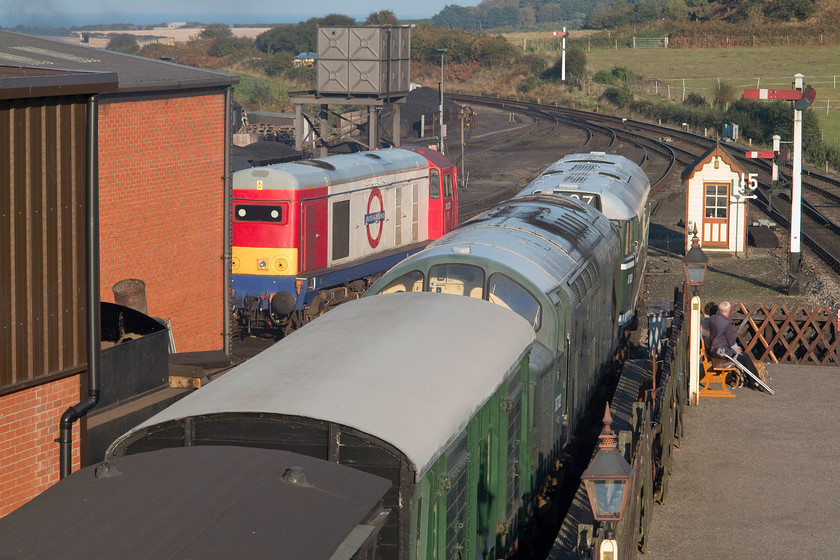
272,54
609,14
756,120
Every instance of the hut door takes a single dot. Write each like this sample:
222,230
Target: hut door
716,215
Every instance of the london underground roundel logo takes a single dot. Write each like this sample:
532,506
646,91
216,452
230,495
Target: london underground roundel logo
374,217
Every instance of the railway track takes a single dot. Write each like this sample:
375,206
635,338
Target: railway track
602,134
666,148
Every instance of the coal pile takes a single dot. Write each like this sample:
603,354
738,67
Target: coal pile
419,102
262,153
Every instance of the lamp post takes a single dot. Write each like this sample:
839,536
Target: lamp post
606,480
695,263
442,52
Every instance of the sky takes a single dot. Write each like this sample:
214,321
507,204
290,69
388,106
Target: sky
67,13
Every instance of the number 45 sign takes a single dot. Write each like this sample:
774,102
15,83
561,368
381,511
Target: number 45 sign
750,180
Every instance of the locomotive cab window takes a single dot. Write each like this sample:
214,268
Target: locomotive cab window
447,185
434,183
410,282
458,279
503,291
259,213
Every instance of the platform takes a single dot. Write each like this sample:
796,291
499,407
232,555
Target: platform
765,484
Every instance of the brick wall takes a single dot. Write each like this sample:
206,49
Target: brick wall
29,455
161,168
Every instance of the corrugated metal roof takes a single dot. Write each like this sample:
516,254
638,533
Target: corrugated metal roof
410,369
136,74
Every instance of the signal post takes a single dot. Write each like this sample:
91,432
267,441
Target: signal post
802,99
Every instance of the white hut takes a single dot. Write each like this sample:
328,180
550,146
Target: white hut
715,203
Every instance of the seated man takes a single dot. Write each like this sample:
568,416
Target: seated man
708,310
722,339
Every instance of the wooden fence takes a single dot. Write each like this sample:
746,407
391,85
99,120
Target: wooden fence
648,446
779,334
795,335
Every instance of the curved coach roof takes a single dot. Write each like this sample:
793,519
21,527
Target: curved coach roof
197,502
330,170
410,369
543,238
622,184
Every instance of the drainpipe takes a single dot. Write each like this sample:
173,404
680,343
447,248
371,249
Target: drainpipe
75,412
228,209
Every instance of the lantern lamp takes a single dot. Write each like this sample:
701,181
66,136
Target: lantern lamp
695,263
607,477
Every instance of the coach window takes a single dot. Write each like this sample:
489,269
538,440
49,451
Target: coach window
503,291
409,282
456,481
458,279
434,183
447,185
341,230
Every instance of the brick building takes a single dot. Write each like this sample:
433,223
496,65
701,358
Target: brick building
163,149
48,141
163,181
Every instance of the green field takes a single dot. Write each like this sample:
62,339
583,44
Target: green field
698,70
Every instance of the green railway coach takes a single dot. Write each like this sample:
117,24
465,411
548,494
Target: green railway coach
430,392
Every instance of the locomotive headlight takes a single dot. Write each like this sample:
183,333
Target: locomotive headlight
281,264
262,264
234,263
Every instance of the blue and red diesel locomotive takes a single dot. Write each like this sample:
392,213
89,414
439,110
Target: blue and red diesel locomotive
312,234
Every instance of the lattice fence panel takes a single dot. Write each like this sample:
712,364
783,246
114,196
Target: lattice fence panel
795,335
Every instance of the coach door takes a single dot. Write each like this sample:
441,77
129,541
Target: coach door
314,221
450,218
716,215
